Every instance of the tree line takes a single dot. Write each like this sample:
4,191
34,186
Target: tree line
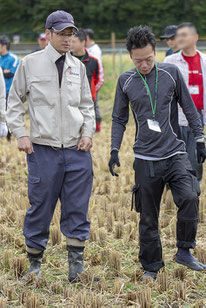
104,16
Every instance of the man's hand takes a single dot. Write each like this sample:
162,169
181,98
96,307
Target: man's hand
114,160
84,144
25,145
6,71
201,152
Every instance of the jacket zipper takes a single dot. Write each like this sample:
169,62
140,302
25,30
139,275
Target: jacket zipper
61,116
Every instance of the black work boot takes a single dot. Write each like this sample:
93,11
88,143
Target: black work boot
149,275
35,264
76,263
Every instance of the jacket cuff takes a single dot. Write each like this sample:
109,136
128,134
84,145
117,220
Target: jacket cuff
20,132
87,133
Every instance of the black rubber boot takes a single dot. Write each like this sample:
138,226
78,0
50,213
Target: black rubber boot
76,263
149,275
35,264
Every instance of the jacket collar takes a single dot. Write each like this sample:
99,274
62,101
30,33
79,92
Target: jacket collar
180,56
54,55
86,57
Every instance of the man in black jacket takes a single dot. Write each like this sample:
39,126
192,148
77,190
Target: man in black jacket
153,91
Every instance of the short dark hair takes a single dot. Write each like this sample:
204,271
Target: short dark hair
81,35
187,25
4,40
140,37
90,33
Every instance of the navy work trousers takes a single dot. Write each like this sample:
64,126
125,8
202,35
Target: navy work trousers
53,174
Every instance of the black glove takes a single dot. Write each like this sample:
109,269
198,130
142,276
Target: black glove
201,152
114,160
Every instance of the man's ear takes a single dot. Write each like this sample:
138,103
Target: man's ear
48,34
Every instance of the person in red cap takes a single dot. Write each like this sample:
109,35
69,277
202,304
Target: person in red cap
62,122
42,41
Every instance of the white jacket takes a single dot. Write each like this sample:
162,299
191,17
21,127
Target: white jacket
2,97
95,51
178,60
58,116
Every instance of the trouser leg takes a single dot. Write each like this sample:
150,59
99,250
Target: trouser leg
45,178
187,136
75,195
185,191
149,188
97,110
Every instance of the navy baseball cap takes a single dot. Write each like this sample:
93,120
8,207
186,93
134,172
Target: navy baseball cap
60,20
170,31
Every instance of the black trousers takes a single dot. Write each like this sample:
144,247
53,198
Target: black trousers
186,134
150,179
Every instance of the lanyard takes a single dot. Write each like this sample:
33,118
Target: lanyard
148,90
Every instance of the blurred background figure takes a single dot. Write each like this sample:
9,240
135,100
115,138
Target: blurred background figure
42,41
77,47
9,63
3,127
95,51
192,64
169,36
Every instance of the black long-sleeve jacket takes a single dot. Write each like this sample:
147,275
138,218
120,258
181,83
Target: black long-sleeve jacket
131,91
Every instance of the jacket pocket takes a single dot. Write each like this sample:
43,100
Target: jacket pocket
74,90
136,198
75,121
45,118
42,90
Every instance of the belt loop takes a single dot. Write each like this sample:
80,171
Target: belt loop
151,169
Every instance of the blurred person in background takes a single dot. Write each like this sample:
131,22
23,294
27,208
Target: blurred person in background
9,63
77,47
169,36
149,90
62,124
95,51
192,64
42,41
3,127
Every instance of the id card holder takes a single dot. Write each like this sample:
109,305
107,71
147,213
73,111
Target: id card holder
154,125
194,90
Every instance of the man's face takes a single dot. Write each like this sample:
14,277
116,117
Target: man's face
143,59
60,40
76,45
186,38
2,49
171,42
42,43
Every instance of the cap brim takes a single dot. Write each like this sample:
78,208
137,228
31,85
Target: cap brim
166,36
63,26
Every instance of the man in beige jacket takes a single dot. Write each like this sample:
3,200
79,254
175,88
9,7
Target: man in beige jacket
62,123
